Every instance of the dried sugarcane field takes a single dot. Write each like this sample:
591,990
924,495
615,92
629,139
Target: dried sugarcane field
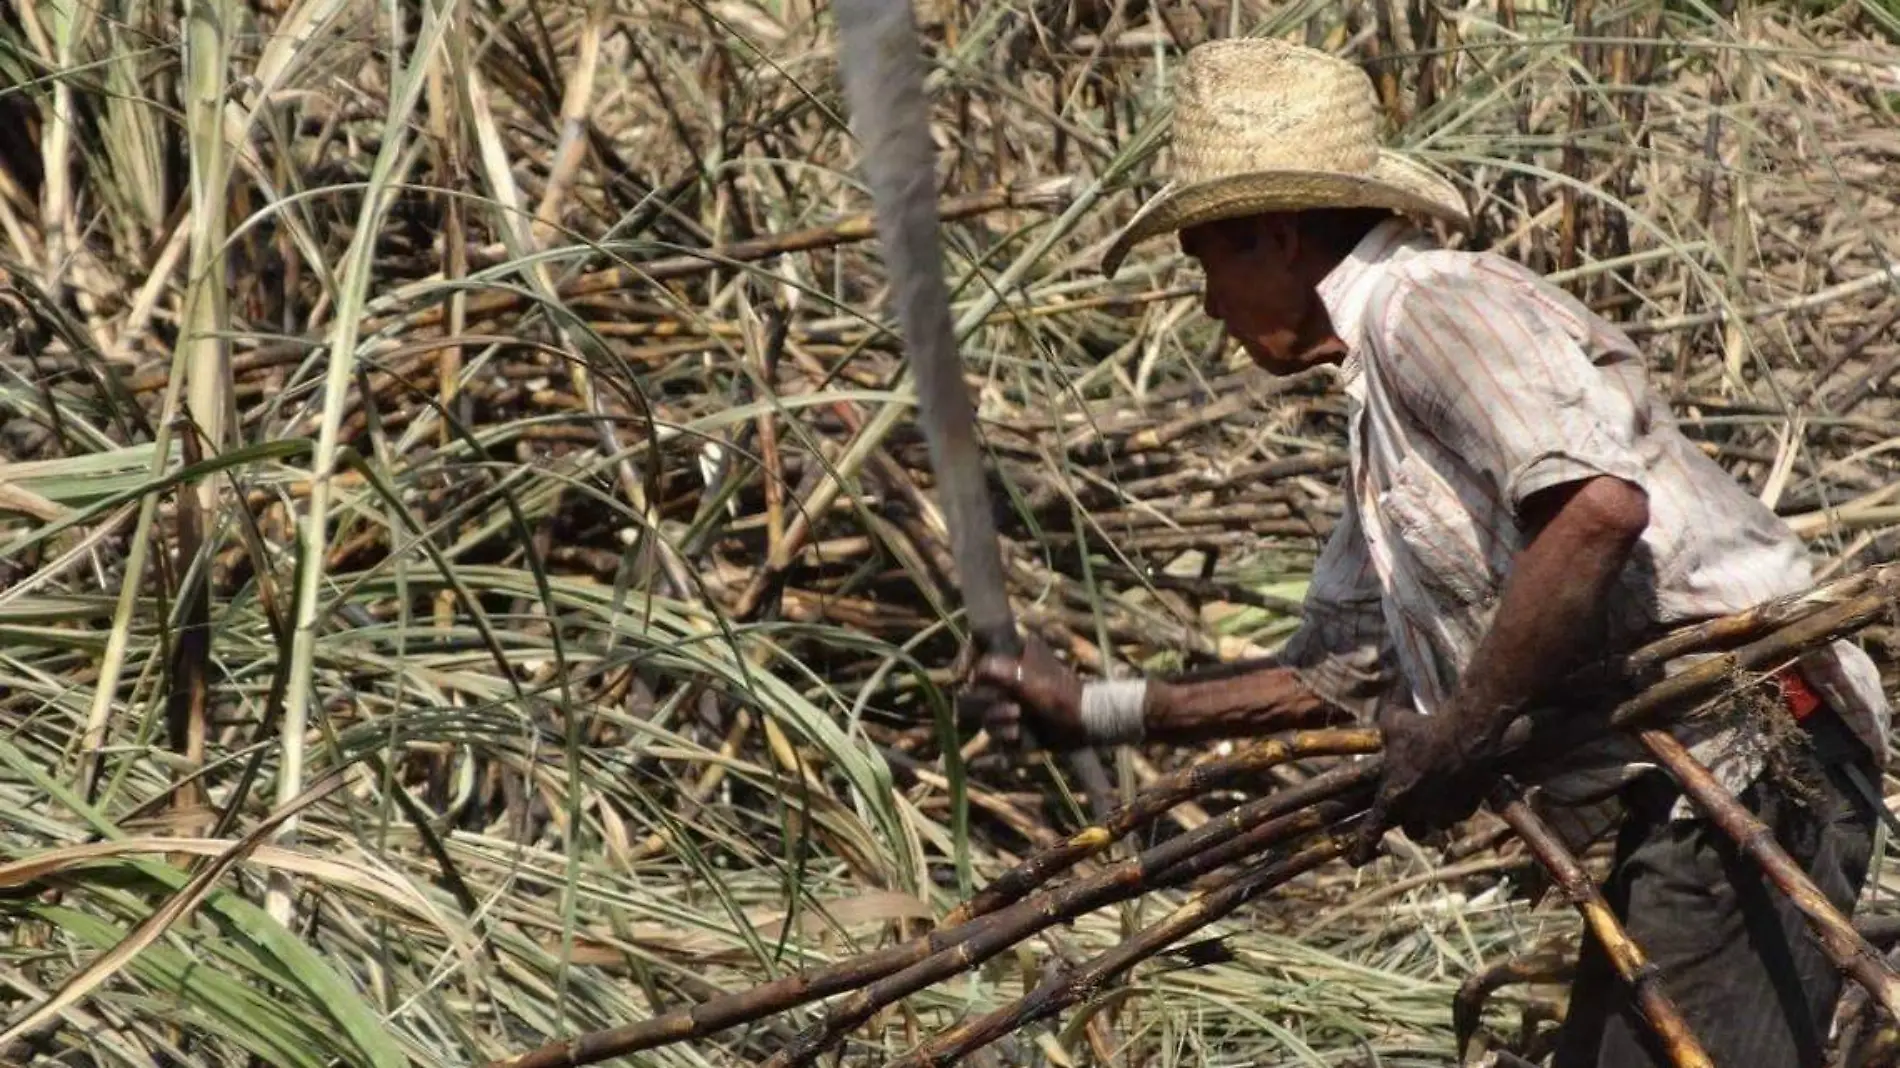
473,587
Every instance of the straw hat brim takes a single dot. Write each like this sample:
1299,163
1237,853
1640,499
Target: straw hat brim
1393,182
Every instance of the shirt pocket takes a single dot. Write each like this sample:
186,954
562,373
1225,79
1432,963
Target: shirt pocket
1440,544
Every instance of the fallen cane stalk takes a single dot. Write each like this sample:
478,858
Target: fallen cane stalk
1837,937
1220,842
1843,944
1166,865
1152,803
1305,820
1707,677
1174,858
1062,991
1728,631
1553,962
1644,979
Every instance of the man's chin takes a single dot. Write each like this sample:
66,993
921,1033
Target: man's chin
1289,363
1273,363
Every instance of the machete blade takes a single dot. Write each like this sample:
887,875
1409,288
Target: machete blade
882,63
883,72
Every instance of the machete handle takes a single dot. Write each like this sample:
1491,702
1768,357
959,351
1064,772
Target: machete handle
984,707
981,705
1002,640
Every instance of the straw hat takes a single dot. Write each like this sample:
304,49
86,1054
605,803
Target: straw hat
1263,126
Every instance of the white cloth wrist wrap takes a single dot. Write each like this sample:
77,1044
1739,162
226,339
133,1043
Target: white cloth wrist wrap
1111,711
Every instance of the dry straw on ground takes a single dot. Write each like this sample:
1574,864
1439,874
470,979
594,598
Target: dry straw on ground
492,405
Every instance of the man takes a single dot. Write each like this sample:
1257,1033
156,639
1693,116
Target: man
1518,501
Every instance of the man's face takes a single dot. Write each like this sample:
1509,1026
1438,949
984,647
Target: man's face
1260,289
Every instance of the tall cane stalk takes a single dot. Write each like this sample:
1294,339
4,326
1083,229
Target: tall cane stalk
1062,991
1844,946
1644,979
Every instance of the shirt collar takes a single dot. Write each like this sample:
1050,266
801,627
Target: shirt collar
1345,289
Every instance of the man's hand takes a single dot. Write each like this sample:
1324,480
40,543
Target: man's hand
1433,776
1035,683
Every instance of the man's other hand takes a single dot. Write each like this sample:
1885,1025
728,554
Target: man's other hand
1432,776
1035,684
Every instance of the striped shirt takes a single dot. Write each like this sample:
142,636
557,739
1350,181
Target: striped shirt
1472,384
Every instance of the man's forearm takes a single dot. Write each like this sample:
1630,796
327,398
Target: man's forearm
1264,699
1552,611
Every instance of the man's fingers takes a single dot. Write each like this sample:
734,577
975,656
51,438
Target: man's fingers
1370,838
1006,724
1003,672
974,708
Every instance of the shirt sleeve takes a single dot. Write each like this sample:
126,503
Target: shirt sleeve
1340,649
1501,378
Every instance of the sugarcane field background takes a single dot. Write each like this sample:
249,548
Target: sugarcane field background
469,569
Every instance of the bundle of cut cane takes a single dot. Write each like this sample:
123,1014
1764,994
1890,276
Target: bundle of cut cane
1260,845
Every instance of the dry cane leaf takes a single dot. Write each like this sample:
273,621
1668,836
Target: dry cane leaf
177,908
28,503
879,906
349,874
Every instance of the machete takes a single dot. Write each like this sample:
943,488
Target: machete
881,61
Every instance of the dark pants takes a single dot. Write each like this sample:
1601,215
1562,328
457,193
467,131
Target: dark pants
1736,957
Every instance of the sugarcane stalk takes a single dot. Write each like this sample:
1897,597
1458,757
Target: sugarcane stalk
1168,791
1313,817
719,1013
1554,962
1169,864
1728,631
1708,676
1867,1038
1690,685
1175,859
1062,991
1837,937
1644,978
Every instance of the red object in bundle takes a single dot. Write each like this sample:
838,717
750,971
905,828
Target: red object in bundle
1800,698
